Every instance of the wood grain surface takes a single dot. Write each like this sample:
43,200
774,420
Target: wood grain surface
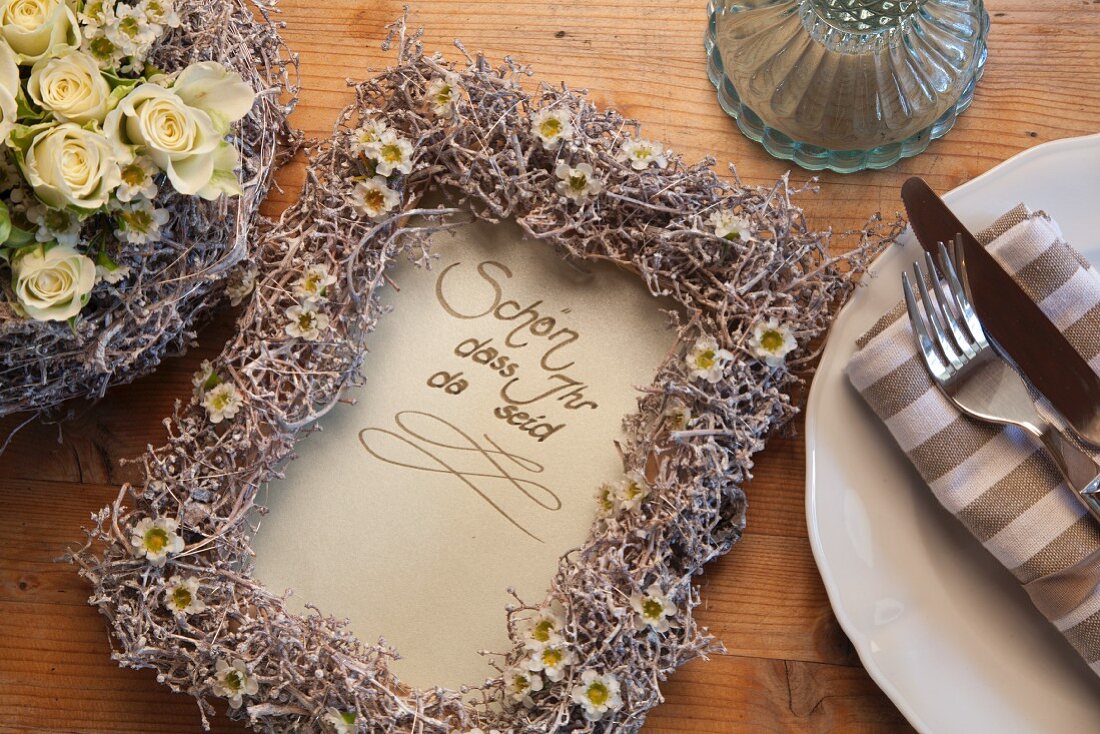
789,667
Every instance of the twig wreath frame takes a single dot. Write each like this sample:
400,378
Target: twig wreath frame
127,328
171,573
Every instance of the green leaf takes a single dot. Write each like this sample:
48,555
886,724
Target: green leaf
5,223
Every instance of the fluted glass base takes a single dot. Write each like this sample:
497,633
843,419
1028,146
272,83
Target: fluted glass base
846,84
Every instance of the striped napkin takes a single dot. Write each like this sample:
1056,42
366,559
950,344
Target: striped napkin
997,481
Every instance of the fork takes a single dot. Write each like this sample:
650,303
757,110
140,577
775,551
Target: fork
975,378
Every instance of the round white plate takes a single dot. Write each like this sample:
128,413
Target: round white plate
939,624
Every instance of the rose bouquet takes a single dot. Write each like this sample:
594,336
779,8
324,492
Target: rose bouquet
92,131
122,128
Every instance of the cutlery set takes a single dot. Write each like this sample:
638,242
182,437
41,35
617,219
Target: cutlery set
990,349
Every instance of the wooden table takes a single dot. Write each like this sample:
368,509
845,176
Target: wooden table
789,666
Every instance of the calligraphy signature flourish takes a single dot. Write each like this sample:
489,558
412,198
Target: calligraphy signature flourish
448,438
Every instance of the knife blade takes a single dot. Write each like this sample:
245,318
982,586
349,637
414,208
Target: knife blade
1015,323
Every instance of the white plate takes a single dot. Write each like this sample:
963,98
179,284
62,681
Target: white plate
939,624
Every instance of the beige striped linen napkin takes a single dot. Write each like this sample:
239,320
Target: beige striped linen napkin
997,481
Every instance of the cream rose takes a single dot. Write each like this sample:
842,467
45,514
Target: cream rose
38,29
71,87
68,165
52,283
9,90
182,127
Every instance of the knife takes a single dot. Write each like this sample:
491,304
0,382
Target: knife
1015,323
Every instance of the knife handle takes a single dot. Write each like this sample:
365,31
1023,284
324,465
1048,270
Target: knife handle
1081,471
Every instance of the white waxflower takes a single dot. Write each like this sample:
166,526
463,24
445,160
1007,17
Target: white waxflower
182,597
374,197
52,283
137,180
547,627
205,378
577,182
233,681
340,722
239,287
37,29
606,501
304,321
443,92
631,491
71,87
597,694
706,361
111,273
641,154
139,221
156,539
161,12
391,153
106,52
54,225
552,661
222,401
314,282
520,683
368,134
93,15
552,127
730,226
69,165
653,609
772,341
129,28
677,417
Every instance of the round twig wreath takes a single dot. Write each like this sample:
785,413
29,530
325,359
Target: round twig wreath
171,572
126,328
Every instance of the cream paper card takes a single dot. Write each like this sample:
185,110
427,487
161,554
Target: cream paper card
495,392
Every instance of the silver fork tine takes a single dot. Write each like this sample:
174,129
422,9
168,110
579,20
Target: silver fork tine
933,362
960,290
942,341
962,339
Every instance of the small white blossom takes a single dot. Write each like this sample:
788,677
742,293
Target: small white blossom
222,402
161,12
391,153
368,135
305,321
631,491
374,197
729,226
137,180
706,361
547,627
129,29
597,694
182,597
653,609
577,182
520,683
641,154
314,282
340,722
552,661
205,378
156,539
677,417
772,342
233,681
139,221
443,92
54,225
110,272
93,15
552,127
106,52
240,287
606,500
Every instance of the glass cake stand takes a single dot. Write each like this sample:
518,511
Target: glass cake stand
846,84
